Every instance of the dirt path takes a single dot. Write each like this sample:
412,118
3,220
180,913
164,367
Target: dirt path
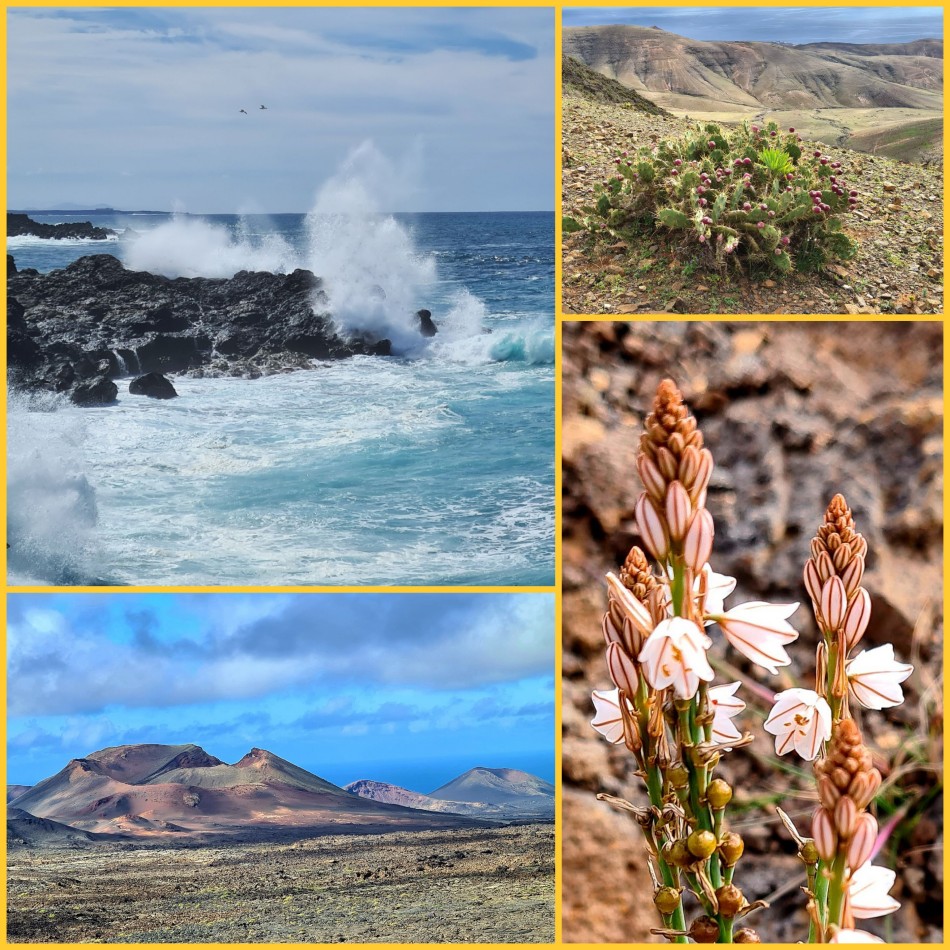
898,225
467,886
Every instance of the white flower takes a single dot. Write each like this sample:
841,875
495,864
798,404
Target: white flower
718,588
867,892
854,936
608,720
874,677
675,655
726,705
759,631
800,719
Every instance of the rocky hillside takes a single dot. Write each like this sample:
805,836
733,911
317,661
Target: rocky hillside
583,81
898,225
792,412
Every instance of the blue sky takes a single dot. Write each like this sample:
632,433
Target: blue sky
139,108
412,689
775,24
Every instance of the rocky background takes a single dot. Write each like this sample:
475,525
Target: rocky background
792,412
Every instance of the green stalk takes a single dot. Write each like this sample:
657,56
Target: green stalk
821,901
836,889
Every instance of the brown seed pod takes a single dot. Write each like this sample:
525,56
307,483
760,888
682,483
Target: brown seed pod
704,930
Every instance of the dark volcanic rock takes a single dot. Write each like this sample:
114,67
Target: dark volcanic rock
18,224
99,392
426,326
11,265
65,324
153,385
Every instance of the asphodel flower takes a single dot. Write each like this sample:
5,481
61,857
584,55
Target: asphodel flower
675,655
874,677
608,720
759,631
726,705
868,892
800,720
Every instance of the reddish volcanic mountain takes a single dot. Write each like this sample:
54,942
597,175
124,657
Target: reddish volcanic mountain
160,790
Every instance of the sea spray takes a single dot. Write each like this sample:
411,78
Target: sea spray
192,247
51,506
374,275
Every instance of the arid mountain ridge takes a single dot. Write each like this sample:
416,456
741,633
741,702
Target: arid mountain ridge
162,792
480,792
759,74
885,98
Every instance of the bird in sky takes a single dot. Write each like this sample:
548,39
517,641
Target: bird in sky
263,107
244,111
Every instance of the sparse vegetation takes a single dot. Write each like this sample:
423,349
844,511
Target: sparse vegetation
746,196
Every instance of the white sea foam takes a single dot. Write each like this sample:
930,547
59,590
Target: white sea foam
33,240
51,506
192,247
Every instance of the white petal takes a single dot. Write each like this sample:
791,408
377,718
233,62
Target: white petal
724,700
854,936
868,892
607,718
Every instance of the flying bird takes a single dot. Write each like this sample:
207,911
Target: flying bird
263,107
244,111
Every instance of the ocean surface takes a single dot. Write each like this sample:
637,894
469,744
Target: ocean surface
434,466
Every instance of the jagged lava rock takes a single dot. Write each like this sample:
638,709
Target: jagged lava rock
153,385
142,323
22,224
99,392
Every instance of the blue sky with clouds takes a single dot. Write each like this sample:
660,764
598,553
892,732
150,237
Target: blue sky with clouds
407,688
897,24
139,108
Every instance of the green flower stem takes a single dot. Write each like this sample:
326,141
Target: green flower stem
836,889
725,929
821,902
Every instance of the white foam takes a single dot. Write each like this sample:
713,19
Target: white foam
192,247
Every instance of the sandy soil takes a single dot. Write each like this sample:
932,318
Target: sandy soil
468,886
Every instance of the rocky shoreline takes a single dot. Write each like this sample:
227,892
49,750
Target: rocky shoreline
22,224
74,330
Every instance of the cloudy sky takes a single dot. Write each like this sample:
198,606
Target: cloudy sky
412,689
776,24
139,108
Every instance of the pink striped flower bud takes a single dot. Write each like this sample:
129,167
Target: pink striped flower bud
823,563
862,840
652,528
677,510
666,461
812,581
697,547
622,669
857,618
823,831
864,787
652,480
689,466
846,816
853,575
833,603
697,491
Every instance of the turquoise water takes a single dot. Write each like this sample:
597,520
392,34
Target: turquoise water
435,466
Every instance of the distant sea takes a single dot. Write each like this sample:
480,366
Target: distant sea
434,466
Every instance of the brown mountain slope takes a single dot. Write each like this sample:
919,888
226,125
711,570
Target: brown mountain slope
753,74
170,792
496,787
584,81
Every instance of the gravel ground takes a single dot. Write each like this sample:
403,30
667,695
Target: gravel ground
898,268
466,886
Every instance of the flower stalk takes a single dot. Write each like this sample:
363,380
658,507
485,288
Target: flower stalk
676,721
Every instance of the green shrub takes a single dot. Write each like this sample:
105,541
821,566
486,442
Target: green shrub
749,196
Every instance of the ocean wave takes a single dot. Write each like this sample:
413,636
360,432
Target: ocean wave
51,505
32,240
